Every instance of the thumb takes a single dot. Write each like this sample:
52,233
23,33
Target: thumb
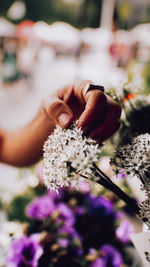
58,111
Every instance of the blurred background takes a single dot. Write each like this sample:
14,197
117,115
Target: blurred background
45,44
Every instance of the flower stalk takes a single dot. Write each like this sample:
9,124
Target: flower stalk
110,185
104,180
68,156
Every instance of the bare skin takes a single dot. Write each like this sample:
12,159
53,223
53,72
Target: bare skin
98,116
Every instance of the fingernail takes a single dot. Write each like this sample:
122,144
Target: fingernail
64,119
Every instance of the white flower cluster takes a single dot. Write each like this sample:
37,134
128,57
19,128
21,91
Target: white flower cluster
145,205
134,158
145,210
68,156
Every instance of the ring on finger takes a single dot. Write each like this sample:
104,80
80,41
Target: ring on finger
91,87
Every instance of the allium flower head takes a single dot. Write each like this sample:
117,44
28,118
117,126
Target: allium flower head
135,158
67,156
145,210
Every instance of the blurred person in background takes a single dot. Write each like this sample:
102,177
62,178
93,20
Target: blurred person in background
98,116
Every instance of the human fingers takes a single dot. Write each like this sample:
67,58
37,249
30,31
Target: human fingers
66,104
94,108
102,134
110,123
58,111
72,95
88,107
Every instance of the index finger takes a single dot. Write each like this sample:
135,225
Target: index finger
94,108
88,108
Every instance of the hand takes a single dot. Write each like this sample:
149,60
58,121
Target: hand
97,113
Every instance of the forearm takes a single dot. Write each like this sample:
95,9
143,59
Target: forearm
98,116
23,147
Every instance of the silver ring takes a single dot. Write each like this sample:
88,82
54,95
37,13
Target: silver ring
91,87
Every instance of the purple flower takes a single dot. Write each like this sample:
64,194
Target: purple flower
98,263
56,196
124,231
101,209
24,252
80,211
92,251
63,242
40,208
110,257
69,231
73,237
66,214
122,174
